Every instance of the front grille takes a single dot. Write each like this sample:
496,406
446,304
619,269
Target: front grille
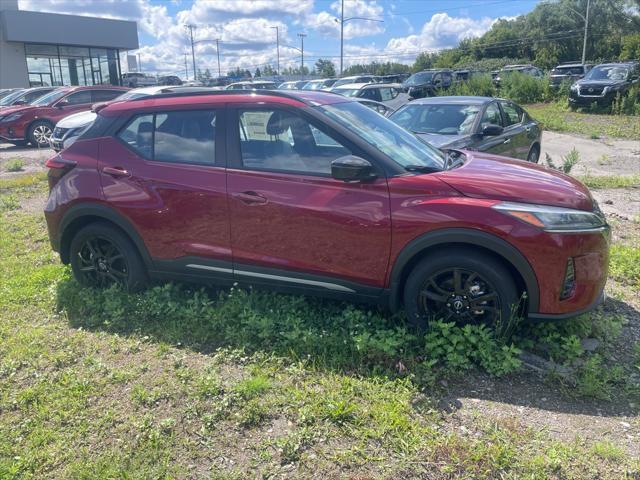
569,283
591,91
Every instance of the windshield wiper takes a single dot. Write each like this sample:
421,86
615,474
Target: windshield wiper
422,168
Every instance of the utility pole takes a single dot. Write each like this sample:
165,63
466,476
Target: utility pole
218,52
186,70
193,49
341,35
302,35
586,29
278,47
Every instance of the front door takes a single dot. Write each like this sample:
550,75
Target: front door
496,144
291,222
164,171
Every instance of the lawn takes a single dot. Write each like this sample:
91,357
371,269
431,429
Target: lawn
557,117
182,382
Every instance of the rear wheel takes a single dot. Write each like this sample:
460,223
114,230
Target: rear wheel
40,133
534,154
101,256
459,286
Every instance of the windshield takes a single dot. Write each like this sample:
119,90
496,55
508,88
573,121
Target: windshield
49,98
9,99
419,78
613,72
347,92
440,119
399,145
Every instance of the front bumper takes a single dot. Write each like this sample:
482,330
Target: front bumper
586,100
566,316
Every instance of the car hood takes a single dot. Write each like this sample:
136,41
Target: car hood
444,141
15,109
501,178
76,120
600,83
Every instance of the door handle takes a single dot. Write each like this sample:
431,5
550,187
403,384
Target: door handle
116,171
251,198
508,140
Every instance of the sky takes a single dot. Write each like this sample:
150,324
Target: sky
247,38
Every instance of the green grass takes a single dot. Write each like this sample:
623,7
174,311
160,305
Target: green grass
557,117
610,181
624,264
14,165
178,382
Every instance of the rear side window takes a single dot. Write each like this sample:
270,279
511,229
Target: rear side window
78,98
105,95
513,113
173,137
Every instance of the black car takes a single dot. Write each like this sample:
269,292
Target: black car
568,72
604,83
169,80
473,123
426,83
527,69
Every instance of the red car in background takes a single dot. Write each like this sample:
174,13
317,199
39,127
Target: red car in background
34,123
314,193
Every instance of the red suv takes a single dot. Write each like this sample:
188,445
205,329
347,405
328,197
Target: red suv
34,123
311,192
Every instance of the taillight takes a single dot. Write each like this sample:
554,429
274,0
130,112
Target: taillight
58,168
569,283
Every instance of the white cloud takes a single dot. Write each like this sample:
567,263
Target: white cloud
327,23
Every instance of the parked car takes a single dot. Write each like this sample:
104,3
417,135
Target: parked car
293,85
391,94
24,97
381,108
428,82
137,79
322,84
604,83
34,123
252,85
355,79
8,91
67,130
568,72
169,80
395,78
313,193
473,123
524,69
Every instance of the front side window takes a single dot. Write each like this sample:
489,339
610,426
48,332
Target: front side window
49,98
491,116
277,140
388,93
78,98
398,144
513,114
371,94
173,137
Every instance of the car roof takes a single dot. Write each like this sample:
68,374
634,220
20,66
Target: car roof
297,98
348,86
468,100
378,85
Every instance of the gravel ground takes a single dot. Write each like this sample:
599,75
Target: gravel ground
33,158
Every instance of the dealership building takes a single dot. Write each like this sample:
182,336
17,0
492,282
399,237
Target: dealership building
51,49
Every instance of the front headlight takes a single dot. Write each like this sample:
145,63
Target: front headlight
554,219
574,87
10,118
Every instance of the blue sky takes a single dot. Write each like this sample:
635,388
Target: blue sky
247,39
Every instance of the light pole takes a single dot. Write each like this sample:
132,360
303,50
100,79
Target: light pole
342,21
278,47
217,40
186,70
302,35
585,18
193,49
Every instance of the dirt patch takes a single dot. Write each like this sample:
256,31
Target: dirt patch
33,159
597,157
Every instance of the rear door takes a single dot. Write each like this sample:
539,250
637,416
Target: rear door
291,222
164,171
515,129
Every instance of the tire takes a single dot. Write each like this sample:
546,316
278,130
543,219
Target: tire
101,255
39,134
487,295
534,154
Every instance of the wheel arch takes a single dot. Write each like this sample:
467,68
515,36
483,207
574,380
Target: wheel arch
79,216
27,131
492,245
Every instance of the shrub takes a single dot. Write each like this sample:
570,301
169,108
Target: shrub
523,88
480,85
568,161
14,165
628,104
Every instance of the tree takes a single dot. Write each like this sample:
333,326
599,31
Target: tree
630,47
257,73
325,68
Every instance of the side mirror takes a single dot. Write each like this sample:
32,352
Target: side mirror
62,103
20,102
491,130
352,169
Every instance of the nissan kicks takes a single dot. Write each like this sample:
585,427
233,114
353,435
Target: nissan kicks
313,193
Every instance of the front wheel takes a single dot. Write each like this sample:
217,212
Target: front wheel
40,134
101,256
459,286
